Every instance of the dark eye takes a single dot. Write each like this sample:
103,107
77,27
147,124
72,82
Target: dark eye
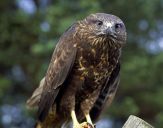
118,26
99,23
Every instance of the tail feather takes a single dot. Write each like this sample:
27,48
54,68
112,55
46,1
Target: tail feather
34,100
52,125
52,120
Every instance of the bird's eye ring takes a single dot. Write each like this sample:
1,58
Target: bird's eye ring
99,23
118,26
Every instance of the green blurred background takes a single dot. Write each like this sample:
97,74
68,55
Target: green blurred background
29,31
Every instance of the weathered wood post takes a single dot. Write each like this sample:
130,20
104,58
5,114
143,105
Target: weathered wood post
136,122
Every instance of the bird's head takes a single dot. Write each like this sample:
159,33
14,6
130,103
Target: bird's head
105,27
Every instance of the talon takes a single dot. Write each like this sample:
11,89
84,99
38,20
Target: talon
74,120
88,118
86,125
82,125
76,124
91,126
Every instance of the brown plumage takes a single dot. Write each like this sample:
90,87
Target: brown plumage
83,74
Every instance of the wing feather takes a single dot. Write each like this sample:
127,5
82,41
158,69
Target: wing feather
60,66
34,100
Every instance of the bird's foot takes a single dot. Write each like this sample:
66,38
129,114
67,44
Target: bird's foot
87,125
76,124
83,125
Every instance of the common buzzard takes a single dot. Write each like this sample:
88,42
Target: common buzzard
83,74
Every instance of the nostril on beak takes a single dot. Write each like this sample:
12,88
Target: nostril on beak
110,31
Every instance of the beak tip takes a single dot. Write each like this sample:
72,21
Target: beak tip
109,32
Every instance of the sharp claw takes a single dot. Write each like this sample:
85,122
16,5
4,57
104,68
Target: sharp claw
87,125
90,125
76,124
84,125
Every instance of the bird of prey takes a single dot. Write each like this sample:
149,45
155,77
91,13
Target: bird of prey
83,74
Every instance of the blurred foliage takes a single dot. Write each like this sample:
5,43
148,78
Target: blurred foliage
29,30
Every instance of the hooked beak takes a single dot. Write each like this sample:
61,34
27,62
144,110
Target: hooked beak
110,31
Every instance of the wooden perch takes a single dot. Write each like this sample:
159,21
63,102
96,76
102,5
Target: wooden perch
136,122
